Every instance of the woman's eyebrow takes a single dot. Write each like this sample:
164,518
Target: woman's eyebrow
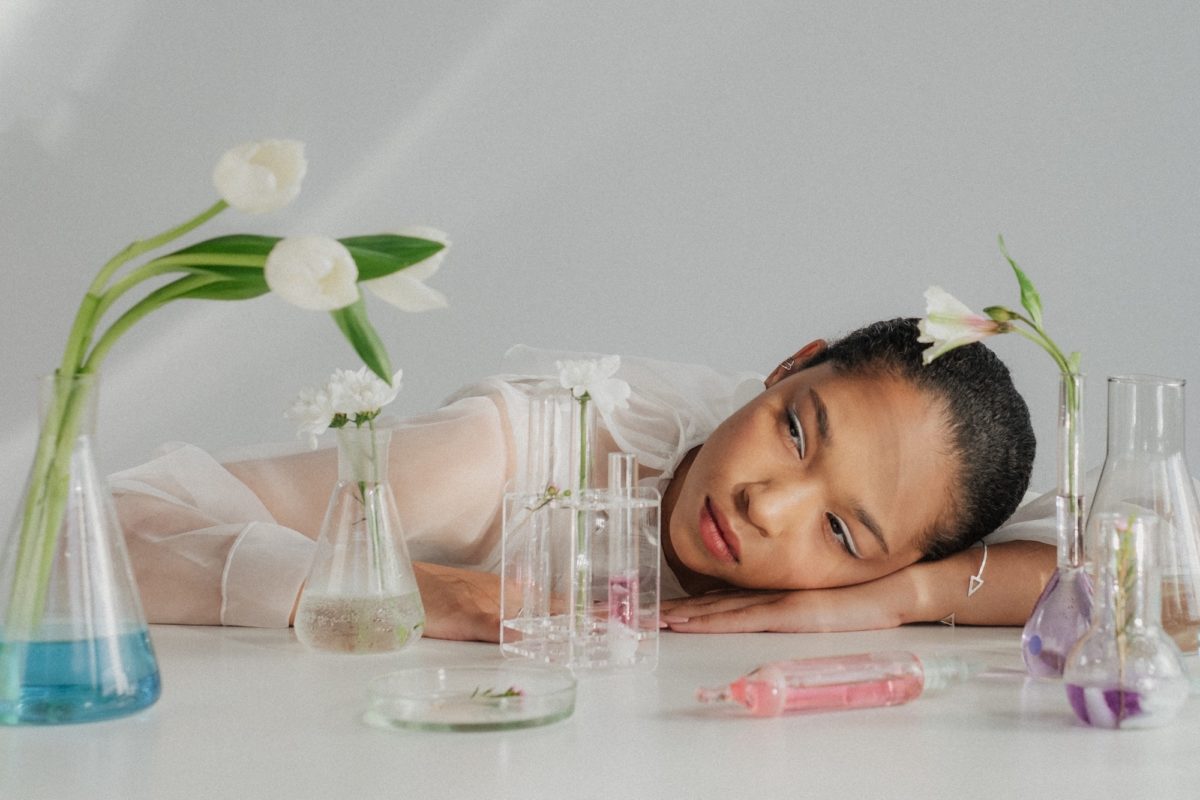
826,436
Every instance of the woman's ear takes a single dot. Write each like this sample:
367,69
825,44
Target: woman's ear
797,362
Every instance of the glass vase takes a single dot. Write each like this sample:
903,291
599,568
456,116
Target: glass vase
1145,471
361,594
1062,612
74,646
1126,672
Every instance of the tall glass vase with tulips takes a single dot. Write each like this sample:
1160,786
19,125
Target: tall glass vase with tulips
73,643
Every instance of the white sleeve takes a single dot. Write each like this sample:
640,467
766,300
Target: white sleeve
230,543
205,550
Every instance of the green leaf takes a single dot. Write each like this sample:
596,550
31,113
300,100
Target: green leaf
232,289
237,244
352,320
385,253
1029,295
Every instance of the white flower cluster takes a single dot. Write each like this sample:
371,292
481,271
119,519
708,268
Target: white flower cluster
349,396
594,378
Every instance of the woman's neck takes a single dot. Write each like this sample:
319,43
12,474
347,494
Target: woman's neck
692,582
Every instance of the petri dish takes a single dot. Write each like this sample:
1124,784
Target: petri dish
489,698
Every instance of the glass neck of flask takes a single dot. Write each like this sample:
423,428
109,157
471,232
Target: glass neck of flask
69,399
1145,416
1130,590
1070,501
363,454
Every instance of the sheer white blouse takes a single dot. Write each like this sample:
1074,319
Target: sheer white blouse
229,541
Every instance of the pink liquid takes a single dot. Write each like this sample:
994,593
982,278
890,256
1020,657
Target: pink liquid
765,699
825,684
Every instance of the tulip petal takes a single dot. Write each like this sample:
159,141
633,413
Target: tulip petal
406,293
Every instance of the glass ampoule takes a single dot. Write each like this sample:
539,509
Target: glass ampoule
862,680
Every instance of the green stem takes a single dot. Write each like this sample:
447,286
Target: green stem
581,532
155,300
1039,337
169,264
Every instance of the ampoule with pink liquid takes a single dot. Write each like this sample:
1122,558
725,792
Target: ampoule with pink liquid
862,680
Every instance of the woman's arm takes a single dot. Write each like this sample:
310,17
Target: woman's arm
924,592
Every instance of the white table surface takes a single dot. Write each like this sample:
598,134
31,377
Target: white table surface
251,714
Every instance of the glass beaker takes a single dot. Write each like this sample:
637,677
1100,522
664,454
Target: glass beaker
361,594
1145,472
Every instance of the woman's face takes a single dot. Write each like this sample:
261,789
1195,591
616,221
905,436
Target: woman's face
823,480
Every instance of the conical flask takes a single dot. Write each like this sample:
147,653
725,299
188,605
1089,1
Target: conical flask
1126,671
73,640
1145,472
361,595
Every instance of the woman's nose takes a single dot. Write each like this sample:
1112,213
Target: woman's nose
776,508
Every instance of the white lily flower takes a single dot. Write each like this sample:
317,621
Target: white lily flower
406,289
595,379
257,177
950,323
313,410
361,391
312,272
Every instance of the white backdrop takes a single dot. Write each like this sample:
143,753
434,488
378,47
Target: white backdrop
702,181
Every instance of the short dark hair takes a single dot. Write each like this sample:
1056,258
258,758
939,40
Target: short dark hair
990,432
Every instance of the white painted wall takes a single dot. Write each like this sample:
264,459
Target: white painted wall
704,181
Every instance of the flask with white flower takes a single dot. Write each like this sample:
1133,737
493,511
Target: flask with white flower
361,594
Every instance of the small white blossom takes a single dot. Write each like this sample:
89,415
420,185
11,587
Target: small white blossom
595,379
313,411
406,289
355,392
313,272
949,323
257,177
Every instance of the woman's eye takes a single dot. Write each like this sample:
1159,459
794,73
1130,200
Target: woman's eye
796,431
842,533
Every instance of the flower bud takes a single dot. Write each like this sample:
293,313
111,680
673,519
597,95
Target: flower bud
312,272
257,177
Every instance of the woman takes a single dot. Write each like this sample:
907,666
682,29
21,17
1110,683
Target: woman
847,495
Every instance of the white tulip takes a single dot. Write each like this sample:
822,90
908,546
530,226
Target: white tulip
257,177
406,289
312,272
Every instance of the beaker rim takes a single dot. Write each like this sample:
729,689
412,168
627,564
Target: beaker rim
1143,378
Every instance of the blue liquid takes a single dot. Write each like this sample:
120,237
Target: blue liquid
44,683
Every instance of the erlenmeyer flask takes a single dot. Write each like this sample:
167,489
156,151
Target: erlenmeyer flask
1145,472
361,595
73,640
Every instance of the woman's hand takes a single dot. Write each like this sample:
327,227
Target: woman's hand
864,606
459,603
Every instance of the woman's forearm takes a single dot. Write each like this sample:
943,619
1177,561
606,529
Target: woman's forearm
1012,580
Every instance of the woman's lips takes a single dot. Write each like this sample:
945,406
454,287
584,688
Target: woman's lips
717,538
